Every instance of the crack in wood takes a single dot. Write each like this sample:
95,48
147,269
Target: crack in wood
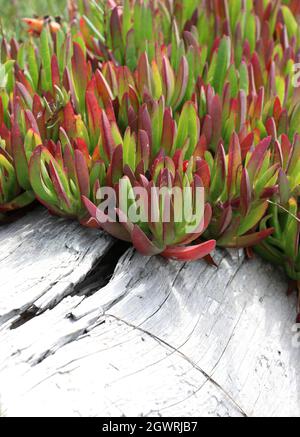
186,358
101,274
98,277
102,330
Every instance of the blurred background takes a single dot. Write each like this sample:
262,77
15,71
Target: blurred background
11,12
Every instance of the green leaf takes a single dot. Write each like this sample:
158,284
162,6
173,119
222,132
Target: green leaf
244,78
290,21
126,20
235,8
252,219
250,31
129,150
46,59
21,56
187,129
222,64
33,65
291,231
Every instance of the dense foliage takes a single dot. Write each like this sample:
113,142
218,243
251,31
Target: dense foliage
160,93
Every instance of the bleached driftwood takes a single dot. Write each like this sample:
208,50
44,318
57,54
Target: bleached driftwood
41,259
161,338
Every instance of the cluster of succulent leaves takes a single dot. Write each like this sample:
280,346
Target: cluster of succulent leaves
160,93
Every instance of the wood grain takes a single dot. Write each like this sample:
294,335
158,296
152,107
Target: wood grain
162,338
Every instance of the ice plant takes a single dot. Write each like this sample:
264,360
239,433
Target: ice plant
152,80
19,135
239,192
160,94
98,139
60,173
244,51
122,30
119,33
282,248
149,221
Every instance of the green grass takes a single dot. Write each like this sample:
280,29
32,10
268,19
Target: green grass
13,10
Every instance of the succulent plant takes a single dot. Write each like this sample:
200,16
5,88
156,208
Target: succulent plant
60,173
228,98
121,31
282,248
242,201
160,94
19,135
160,226
88,157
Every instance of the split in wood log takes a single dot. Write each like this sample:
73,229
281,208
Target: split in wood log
160,338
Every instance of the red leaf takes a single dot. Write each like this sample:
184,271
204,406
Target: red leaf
246,145
259,103
115,171
258,76
103,88
143,74
168,132
22,92
106,135
277,109
167,79
20,76
257,158
191,253
286,148
143,152
115,229
58,185
271,127
145,122
201,147
234,162
203,170
225,220
115,29
207,128
82,173
31,121
250,240
245,198
80,144
68,161
94,114
79,69
278,158
55,72
69,123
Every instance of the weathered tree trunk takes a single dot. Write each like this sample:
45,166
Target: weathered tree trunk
158,338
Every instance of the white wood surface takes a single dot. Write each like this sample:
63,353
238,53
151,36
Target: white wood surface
162,338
